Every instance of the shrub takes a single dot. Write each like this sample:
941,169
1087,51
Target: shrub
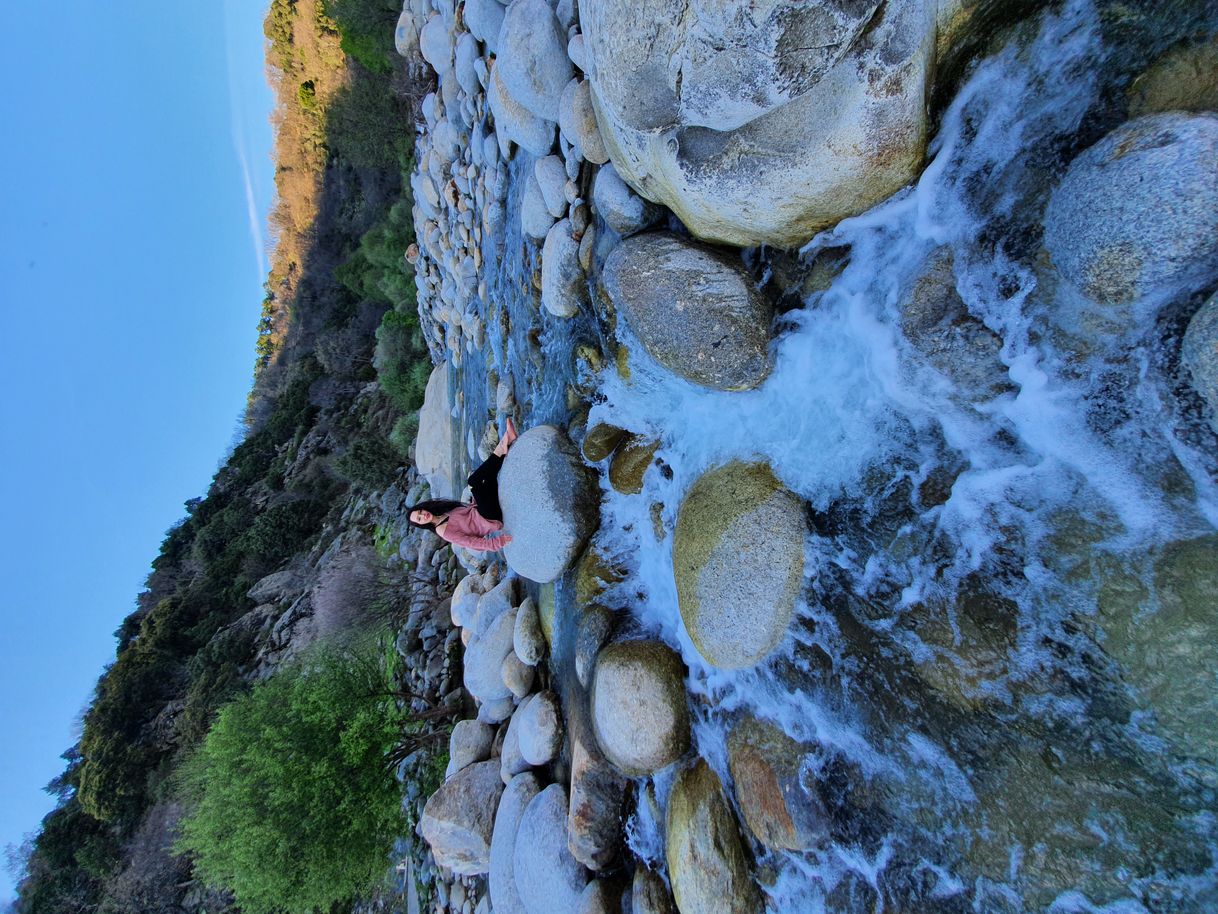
292,804
401,360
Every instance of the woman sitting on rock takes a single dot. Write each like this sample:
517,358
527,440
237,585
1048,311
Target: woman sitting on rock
469,525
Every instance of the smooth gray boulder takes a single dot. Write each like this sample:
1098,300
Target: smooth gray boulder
532,58
406,34
763,125
436,43
551,176
738,560
1136,215
484,18
639,712
458,819
528,640
469,742
484,657
1199,354
563,285
536,219
511,762
540,730
435,449
706,858
516,124
694,309
577,121
624,210
501,880
548,878
549,503
516,674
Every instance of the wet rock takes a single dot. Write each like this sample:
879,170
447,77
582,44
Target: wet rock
598,794
1163,639
600,441
596,624
549,504
738,558
1199,355
517,675
639,712
695,310
469,742
778,808
938,323
484,18
577,121
626,212
1136,215
630,462
706,858
540,729
501,880
535,217
434,446
649,894
484,660
594,574
563,285
718,115
548,878
458,819
528,640
1183,79
532,61
551,177
516,124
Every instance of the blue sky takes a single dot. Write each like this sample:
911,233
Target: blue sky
136,181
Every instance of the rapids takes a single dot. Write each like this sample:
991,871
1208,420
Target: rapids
1005,654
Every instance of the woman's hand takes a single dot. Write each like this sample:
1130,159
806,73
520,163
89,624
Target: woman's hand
504,538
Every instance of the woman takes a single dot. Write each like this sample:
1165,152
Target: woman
470,525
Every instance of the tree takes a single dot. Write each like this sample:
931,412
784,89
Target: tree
292,804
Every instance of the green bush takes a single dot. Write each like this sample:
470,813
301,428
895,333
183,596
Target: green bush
292,806
369,461
405,430
402,362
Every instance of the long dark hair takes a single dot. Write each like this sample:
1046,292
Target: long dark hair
436,506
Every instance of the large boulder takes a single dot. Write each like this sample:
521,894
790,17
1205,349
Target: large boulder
435,450
1136,215
706,858
549,503
515,123
532,57
484,658
695,310
563,285
458,819
639,711
738,558
1183,79
767,768
762,125
548,878
1199,354
501,880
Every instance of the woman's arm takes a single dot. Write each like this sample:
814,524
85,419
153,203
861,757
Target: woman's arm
478,543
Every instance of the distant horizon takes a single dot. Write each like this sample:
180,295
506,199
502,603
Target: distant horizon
134,257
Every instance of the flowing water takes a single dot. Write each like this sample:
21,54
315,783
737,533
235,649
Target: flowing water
1005,655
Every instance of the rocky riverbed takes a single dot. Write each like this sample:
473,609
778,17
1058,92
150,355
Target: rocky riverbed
864,528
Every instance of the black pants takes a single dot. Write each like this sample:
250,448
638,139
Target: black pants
484,485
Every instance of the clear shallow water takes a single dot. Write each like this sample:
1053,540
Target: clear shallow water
1004,659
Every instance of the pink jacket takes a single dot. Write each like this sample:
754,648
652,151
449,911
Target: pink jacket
466,527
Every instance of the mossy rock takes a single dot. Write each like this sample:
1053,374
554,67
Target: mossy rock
738,559
630,463
601,441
